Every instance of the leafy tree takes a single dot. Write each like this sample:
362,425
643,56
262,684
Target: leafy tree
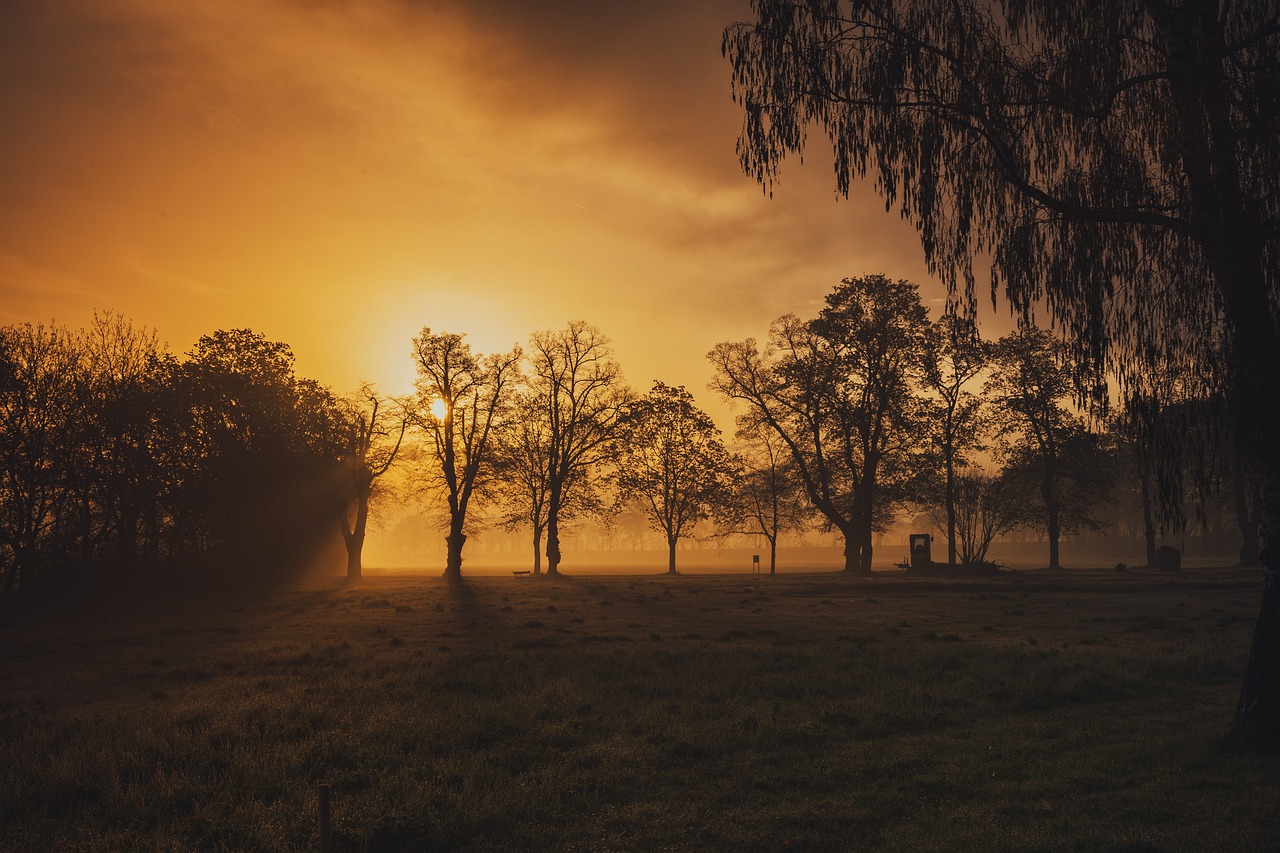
1118,161
461,400
954,356
670,459
250,451
579,390
1044,442
837,391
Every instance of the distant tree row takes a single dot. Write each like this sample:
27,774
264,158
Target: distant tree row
119,460
869,409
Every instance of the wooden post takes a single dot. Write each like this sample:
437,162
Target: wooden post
326,841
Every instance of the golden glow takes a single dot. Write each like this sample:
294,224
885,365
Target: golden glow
338,175
439,409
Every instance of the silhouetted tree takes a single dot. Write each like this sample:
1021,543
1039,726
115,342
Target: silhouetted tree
1119,161
984,506
670,459
1030,384
247,450
37,407
120,484
372,433
461,399
837,391
579,389
954,356
767,497
524,484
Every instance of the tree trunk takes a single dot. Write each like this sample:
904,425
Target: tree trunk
851,555
537,550
553,531
1052,524
1232,233
1148,525
1247,522
951,511
455,540
671,555
354,540
773,554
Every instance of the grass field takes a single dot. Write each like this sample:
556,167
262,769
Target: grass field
1073,710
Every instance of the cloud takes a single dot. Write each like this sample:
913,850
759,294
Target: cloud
319,166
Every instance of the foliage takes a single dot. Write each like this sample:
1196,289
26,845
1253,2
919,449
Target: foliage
121,462
1118,162
669,457
837,391
1062,467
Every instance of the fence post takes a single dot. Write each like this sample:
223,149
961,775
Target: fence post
326,841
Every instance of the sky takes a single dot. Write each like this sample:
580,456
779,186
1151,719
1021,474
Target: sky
338,174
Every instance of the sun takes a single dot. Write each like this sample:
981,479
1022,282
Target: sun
439,408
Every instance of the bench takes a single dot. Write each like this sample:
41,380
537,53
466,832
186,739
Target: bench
525,573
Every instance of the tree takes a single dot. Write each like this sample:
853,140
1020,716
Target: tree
837,391
1030,383
374,432
767,498
249,450
954,356
1118,161
461,399
580,390
983,507
670,459
119,368
37,401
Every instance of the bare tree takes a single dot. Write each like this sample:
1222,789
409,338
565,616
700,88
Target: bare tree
768,498
37,399
984,507
579,388
954,356
461,398
374,433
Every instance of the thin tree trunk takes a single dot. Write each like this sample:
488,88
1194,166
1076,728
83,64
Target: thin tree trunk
671,555
773,554
1148,525
537,550
553,531
951,511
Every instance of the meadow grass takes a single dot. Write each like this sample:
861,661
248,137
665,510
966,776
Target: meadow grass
1038,711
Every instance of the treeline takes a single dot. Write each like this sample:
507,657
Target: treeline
120,461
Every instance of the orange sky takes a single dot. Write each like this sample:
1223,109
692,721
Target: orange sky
336,175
